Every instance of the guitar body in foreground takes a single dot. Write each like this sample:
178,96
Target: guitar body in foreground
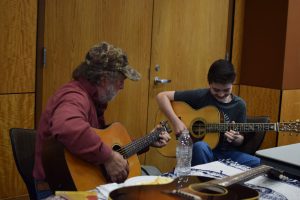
194,188
164,191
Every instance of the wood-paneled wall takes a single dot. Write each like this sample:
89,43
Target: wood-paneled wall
17,112
270,59
290,105
262,55
18,28
17,46
292,48
238,32
17,89
262,102
290,111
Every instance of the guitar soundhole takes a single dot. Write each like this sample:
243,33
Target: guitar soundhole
198,129
116,148
208,189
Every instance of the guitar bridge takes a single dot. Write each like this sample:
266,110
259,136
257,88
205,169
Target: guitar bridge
184,195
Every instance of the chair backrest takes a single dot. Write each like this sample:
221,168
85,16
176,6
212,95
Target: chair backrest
23,147
253,140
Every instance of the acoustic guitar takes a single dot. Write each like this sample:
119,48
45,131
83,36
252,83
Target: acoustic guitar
205,125
194,188
65,171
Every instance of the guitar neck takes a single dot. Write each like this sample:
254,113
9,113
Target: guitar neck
139,144
242,127
242,176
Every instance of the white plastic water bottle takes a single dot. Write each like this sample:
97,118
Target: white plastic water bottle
184,150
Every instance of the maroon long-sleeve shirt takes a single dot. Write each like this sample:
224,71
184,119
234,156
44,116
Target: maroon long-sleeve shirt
69,116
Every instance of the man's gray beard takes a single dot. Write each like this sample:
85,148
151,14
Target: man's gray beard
110,95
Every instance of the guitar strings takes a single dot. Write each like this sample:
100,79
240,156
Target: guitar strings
135,146
139,144
243,127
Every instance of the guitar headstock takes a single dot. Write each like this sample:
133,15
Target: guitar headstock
293,126
164,124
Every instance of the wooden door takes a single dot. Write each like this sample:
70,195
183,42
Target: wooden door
73,26
186,38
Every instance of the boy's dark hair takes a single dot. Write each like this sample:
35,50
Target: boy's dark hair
221,71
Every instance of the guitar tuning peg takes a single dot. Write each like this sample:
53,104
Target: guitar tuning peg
165,124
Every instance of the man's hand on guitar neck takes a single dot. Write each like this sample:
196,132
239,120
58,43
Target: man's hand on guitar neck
164,138
117,168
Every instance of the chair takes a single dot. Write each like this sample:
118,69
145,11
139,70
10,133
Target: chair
149,170
253,140
23,147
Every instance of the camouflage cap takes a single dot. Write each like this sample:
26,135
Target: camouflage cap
110,58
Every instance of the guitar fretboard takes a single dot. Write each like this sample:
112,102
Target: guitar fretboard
241,127
242,176
141,143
